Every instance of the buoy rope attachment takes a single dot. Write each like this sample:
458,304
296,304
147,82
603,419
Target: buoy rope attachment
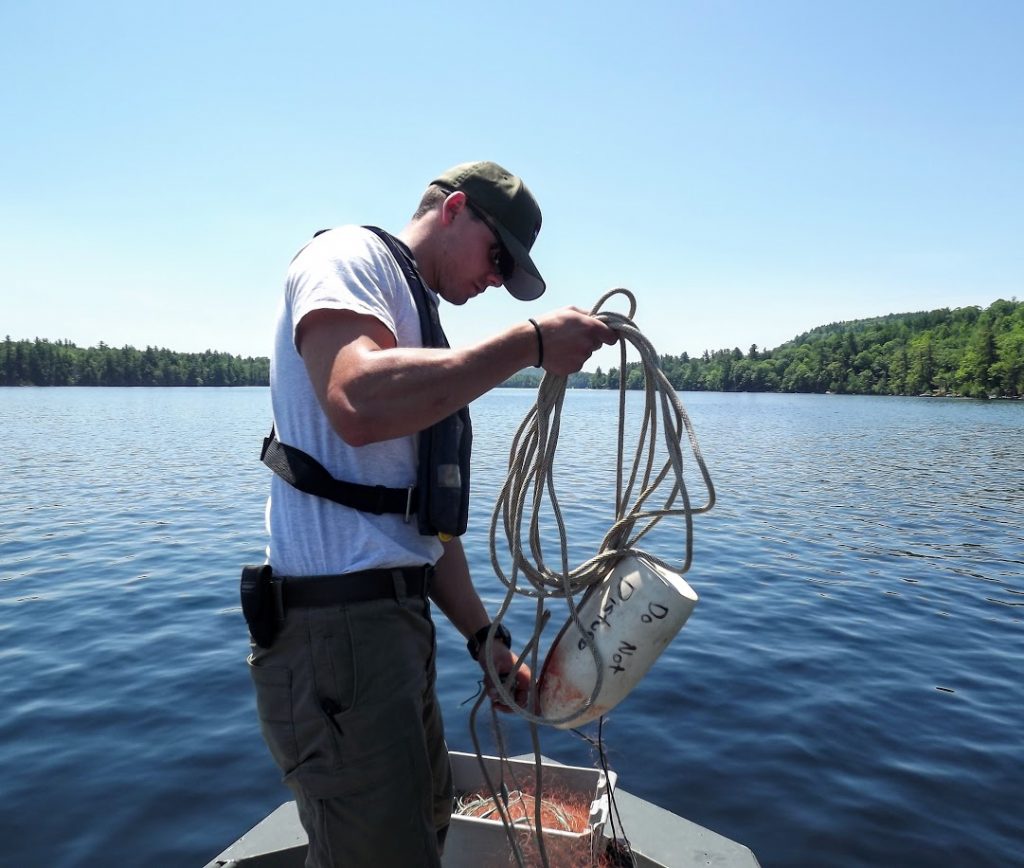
531,480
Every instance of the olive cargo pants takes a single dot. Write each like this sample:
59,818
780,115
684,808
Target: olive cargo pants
347,707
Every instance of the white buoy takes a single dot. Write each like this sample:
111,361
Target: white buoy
631,617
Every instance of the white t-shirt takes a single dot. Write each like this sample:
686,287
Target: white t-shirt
348,268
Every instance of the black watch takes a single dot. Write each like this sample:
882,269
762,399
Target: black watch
476,641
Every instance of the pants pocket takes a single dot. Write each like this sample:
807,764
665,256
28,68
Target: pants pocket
274,707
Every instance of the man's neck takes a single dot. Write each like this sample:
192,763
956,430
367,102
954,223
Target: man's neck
420,241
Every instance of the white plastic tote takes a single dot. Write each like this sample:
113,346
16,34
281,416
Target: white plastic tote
631,616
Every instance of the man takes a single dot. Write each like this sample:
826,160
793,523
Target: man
345,691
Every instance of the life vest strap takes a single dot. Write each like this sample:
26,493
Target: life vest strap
305,473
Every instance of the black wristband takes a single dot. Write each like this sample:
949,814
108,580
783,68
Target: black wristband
476,641
540,344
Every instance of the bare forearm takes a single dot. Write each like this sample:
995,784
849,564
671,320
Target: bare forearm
453,592
372,390
394,392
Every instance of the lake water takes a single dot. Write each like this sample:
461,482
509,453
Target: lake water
848,691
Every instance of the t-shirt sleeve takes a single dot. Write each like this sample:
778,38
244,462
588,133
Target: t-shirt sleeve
348,268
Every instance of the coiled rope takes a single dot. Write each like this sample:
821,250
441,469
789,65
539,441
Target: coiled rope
530,481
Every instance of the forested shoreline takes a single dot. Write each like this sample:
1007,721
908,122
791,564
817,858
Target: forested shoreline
965,352
60,363
969,351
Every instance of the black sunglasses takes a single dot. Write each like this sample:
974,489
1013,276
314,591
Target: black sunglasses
502,259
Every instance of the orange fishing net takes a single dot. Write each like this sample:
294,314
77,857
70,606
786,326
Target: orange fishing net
561,811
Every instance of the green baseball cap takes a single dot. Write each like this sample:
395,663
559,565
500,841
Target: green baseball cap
512,212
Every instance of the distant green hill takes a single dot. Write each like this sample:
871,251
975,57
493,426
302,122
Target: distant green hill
967,351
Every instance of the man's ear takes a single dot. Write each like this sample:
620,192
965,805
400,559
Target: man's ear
452,206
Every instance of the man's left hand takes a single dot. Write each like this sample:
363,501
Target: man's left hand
504,664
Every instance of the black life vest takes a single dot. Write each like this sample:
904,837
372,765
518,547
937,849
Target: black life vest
440,498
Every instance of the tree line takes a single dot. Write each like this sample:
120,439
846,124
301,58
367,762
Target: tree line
61,363
967,351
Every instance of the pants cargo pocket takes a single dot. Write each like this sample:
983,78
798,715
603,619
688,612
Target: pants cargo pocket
274,707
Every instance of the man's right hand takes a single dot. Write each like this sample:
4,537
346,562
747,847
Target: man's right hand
571,336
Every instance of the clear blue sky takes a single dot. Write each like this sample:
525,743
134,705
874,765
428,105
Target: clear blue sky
750,170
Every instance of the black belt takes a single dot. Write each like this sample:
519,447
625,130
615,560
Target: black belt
356,587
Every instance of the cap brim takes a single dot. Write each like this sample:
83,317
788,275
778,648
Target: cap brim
525,283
